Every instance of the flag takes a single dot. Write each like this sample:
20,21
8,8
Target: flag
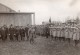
50,20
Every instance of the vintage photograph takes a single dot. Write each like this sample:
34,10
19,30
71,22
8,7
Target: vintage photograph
39,27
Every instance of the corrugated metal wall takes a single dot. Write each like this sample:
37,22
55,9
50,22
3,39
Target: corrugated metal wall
21,19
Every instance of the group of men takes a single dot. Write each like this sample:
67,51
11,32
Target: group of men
17,32
65,34
57,33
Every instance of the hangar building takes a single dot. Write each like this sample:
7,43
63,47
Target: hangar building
9,16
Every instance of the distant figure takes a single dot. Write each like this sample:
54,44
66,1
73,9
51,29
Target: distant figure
76,36
16,32
47,32
26,31
11,32
54,33
62,34
4,32
22,33
31,34
59,33
67,34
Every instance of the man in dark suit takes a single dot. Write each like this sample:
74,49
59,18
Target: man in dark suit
11,32
47,31
17,32
26,31
4,32
22,33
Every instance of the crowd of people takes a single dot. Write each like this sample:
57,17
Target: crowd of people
65,34
30,31
17,32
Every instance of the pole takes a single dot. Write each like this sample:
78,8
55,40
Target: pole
34,19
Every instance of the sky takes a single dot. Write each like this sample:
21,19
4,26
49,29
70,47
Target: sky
58,10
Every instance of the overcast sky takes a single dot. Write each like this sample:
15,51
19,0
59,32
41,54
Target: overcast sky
58,10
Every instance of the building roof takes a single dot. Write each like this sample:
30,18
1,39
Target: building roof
4,8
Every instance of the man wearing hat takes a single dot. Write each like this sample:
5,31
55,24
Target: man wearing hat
67,34
22,33
76,36
31,34
47,31
26,31
59,33
54,33
62,36
4,32
11,32
51,32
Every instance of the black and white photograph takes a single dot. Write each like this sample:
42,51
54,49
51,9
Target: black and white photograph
39,27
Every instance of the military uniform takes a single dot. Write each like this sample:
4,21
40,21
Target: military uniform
51,32
62,36
26,31
11,33
67,34
17,32
56,36
22,33
47,32
76,36
31,34
59,33
54,32
4,33
71,33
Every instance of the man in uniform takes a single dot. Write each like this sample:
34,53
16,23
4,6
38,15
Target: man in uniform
11,32
54,33
4,32
22,33
36,30
26,31
58,33
62,37
47,32
17,32
56,30
76,36
67,34
51,32
71,33
31,34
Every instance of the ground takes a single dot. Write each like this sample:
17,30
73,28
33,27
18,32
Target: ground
41,46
